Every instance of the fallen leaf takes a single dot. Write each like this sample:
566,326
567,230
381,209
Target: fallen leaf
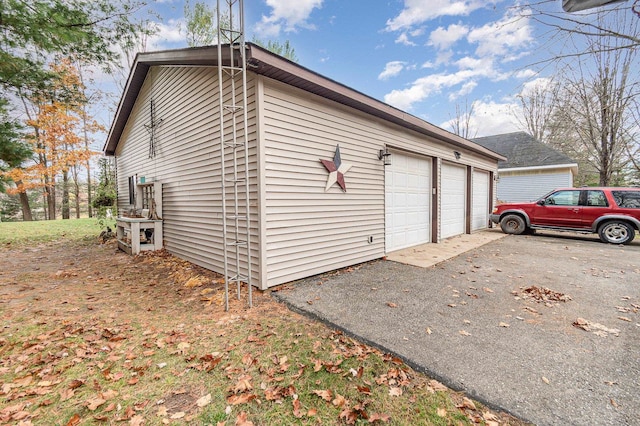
467,403
94,403
441,412
324,394
624,319
339,400
395,391
379,417
136,420
204,401
178,415
240,399
241,420
464,333
544,379
297,412
437,386
66,394
428,330
503,324
74,420
392,305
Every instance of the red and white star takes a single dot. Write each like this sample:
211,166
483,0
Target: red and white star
337,169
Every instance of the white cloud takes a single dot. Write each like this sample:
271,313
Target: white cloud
470,70
403,38
493,118
391,69
424,87
416,12
443,38
525,74
465,90
502,37
538,85
287,15
489,118
167,34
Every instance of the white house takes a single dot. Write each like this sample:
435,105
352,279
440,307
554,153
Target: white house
532,169
305,219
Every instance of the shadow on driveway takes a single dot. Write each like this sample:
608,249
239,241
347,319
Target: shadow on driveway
469,323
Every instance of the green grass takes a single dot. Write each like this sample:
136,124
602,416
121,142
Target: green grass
20,233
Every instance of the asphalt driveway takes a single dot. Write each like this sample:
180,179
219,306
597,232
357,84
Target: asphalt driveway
475,323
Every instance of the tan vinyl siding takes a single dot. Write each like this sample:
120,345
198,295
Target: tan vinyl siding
187,160
308,230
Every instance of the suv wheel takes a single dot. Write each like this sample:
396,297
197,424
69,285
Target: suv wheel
512,224
615,232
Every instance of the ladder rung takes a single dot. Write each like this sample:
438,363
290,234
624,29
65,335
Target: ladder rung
239,243
238,278
234,144
234,108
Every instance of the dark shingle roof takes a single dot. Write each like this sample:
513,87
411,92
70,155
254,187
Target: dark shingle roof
523,150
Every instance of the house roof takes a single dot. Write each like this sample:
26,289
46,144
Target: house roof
263,62
523,150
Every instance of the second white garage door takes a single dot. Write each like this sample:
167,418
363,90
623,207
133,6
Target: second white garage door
480,211
452,200
407,201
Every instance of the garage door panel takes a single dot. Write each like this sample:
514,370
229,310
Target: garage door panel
408,202
453,200
480,196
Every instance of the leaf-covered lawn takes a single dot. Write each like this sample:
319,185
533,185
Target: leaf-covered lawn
93,336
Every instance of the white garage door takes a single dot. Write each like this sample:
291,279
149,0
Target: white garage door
480,197
452,207
407,201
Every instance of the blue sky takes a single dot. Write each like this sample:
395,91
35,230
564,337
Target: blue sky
422,56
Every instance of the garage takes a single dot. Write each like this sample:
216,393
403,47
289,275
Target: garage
453,196
407,201
480,197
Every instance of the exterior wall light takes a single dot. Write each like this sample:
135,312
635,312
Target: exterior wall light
457,154
385,156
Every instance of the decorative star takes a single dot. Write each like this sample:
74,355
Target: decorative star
337,169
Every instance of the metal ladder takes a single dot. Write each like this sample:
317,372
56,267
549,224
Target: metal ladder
234,143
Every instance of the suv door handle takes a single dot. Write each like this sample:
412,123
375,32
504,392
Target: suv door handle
575,210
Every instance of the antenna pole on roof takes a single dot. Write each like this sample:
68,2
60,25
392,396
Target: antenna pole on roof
234,147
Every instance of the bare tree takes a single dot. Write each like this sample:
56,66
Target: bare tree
538,101
602,23
595,116
460,124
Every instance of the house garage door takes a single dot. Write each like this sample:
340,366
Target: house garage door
407,201
480,197
452,207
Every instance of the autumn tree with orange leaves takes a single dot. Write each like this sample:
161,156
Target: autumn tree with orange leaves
57,122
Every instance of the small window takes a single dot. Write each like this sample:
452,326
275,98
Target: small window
132,190
627,199
563,198
596,199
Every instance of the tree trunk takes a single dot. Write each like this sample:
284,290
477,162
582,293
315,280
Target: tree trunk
89,199
24,202
65,194
76,191
50,193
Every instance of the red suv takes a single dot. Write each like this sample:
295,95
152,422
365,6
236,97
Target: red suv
613,213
